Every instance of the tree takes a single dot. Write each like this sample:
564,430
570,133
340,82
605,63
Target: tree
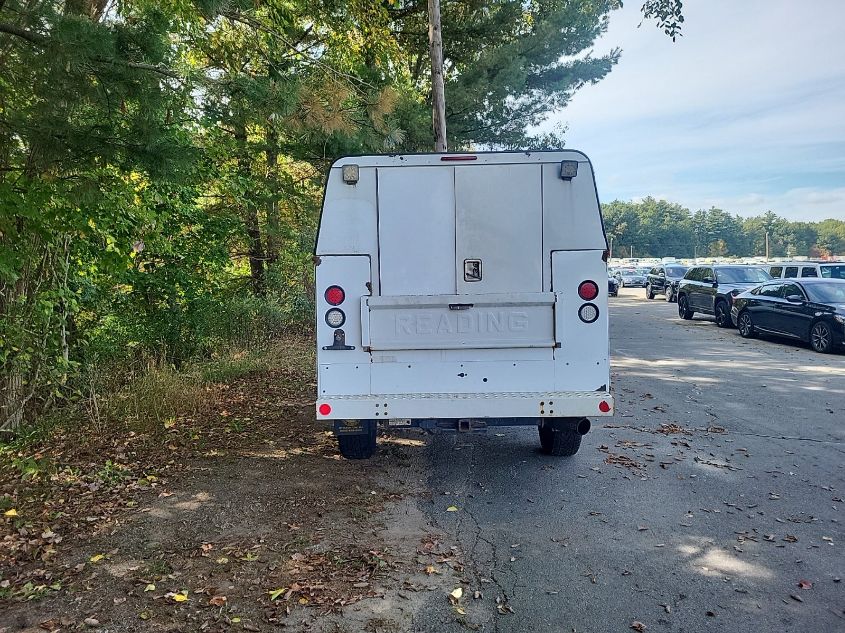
507,64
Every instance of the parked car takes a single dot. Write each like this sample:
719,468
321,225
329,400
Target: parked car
661,279
711,290
612,286
812,310
629,278
796,270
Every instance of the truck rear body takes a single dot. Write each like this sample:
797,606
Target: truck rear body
462,287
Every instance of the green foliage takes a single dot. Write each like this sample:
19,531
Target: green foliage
508,64
162,162
657,228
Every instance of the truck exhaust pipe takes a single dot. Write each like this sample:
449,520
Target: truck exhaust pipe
583,427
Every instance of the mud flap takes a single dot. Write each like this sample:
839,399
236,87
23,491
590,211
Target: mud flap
354,427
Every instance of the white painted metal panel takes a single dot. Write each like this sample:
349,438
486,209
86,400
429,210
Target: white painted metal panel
468,321
416,224
464,377
581,361
352,273
341,379
571,217
468,405
500,222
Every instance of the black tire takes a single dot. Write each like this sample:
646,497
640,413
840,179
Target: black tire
745,325
358,446
821,337
558,441
683,308
723,315
649,293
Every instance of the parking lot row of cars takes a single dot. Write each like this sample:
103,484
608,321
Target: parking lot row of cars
808,304
797,300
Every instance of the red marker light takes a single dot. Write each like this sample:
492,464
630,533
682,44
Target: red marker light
335,295
604,407
588,290
325,409
460,157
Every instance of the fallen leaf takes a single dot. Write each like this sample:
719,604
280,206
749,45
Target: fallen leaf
805,584
10,513
217,601
791,538
149,587
477,595
796,598
642,528
431,569
452,509
277,592
638,626
182,596
96,558
457,593
666,608
92,622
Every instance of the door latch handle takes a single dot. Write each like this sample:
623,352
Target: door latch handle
460,306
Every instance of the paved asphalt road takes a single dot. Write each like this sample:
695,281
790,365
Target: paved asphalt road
705,530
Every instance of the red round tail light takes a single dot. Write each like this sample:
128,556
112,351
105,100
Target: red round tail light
604,407
335,295
325,408
588,290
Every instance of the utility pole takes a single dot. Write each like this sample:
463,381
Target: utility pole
767,246
632,251
438,91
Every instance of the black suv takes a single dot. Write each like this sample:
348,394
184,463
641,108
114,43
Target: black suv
663,280
711,290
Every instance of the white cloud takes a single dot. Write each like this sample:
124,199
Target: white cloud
745,111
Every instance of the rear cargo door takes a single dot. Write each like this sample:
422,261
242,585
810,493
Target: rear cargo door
499,229
460,261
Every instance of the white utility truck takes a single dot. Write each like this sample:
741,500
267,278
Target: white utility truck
461,291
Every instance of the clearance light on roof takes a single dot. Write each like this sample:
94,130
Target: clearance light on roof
460,157
568,169
350,174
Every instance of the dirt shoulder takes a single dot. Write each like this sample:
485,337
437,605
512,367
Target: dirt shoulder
241,518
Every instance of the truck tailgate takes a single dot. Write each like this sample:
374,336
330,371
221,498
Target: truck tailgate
485,321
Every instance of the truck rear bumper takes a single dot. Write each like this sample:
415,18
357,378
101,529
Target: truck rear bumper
562,404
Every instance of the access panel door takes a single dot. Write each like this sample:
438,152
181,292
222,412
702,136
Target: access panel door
499,229
416,230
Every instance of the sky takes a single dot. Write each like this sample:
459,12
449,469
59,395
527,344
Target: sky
745,111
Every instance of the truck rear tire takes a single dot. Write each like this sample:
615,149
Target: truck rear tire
359,445
559,440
